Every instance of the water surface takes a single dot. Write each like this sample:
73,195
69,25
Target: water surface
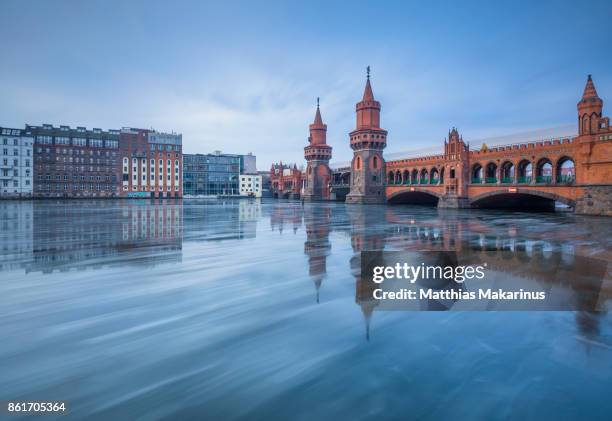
245,309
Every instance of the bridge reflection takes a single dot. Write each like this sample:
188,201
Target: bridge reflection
538,258
52,236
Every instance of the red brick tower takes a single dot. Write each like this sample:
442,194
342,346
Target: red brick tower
317,154
589,110
455,172
367,141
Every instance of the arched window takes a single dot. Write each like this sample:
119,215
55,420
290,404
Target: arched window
358,163
406,177
415,177
525,171
507,175
390,178
566,170
491,173
434,176
375,162
477,174
544,171
424,177
398,177
585,124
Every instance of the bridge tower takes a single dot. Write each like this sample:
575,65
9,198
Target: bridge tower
589,110
456,172
367,141
317,154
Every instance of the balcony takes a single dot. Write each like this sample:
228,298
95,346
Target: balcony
524,180
491,180
507,180
433,181
543,179
423,181
476,180
565,179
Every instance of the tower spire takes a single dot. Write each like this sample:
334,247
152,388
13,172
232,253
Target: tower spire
589,109
589,89
368,95
318,120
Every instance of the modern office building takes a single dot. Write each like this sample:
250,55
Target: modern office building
75,162
215,174
16,163
248,164
151,163
266,183
250,185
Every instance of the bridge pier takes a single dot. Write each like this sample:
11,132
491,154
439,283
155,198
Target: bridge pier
596,200
453,202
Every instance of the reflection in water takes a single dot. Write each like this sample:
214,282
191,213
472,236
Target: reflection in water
193,309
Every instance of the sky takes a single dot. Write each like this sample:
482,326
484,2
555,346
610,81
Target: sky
244,76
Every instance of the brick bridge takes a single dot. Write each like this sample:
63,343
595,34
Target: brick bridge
558,170
575,171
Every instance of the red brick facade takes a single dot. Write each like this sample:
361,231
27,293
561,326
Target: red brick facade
285,181
318,153
150,167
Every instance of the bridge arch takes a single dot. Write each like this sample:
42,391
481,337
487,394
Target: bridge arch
544,170
434,176
565,170
424,176
508,172
525,171
491,172
414,196
525,199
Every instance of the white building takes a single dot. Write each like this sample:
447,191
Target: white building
16,163
250,185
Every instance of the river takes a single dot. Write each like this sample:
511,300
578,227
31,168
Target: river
230,309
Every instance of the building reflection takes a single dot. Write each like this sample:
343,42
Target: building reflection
218,220
365,235
48,236
286,216
95,234
317,221
16,234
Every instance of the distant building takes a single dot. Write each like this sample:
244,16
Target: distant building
211,174
250,185
16,163
248,164
75,162
151,164
286,181
265,183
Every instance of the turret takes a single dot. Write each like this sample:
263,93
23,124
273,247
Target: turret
317,155
367,141
589,109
